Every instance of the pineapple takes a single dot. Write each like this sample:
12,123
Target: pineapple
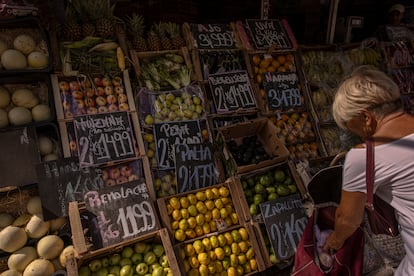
174,32
136,29
72,29
161,30
153,41
88,29
105,27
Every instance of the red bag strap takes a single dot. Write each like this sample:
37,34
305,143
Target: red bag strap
370,174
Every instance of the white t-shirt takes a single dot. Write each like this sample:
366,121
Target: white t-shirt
394,182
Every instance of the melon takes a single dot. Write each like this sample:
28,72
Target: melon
12,238
4,97
34,204
11,272
21,258
36,227
49,247
13,60
37,60
41,112
19,116
24,43
39,267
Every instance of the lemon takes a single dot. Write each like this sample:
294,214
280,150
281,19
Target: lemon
203,258
250,253
198,246
219,266
225,200
187,266
229,238
214,241
206,228
193,272
240,270
235,249
234,261
183,224
192,222
213,226
209,204
215,213
203,269
189,250
211,268
218,203
175,224
222,240
234,218
242,259
209,194
175,203
192,210
232,271
219,253
201,207
223,213
253,264
228,221
200,219
206,243
184,201
244,246
216,192
244,234
236,235
224,191
199,230
208,216
200,195
184,213
179,235
247,268
190,233
194,263
176,215
212,255
192,198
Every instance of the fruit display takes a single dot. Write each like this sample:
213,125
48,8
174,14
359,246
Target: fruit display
249,151
200,212
48,143
363,56
178,105
123,173
25,103
164,72
165,183
34,246
23,49
146,257
294,127
92,95
266,185
337,140
226,253
322,97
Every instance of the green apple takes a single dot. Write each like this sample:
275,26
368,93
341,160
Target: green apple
150,258
115,259
158,250
126,270
164,261
125,261
95,265
127,252
105,262
84,271
137,258
158,271
139,247
141,268
114,269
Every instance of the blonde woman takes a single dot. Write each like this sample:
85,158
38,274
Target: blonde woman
368,104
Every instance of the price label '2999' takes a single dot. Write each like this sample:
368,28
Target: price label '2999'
102,138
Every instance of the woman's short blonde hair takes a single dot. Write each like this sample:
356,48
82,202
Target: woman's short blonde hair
366,88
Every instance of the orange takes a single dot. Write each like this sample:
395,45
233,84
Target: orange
256,69
275,63
259,78
256,59
281,59
264,63
271,69
290,57
281,69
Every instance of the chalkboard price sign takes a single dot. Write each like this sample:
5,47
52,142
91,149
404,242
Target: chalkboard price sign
213,36
103,138
268,33
166,135
282,90
62,181
231,91
119,213
284,219
194,167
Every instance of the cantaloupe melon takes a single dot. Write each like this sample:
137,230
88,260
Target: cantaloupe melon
39,267
21,258
12,238
49,247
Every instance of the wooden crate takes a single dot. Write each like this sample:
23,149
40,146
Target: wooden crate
166,211
266,133
82,99
82,241
255,244
290,172
159,237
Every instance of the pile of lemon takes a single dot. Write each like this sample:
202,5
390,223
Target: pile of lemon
202,212
227,253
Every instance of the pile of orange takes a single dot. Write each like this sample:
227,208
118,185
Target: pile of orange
263,63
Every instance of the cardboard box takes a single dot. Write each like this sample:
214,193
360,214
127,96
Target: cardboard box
266,133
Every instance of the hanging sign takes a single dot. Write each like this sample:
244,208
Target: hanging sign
120,213
104,138
268,34
232,91
167,135
194,167
285,220
213,36
282,90
62,181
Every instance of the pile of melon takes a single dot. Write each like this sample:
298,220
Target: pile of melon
21,106
23,54
34,245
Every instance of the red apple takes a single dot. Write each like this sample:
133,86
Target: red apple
101,101
63,86
123,106
77,94
72,145
116,81
119,90
99,91
92,110
106,81
126,171
111,99
109,90
121,180
102,109
98,81
90,102
122,98
90,93
112,108
114,173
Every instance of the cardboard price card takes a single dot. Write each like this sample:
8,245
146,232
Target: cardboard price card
285,219
119,213
104,138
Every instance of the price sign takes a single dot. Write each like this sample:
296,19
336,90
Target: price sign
194,167
119,213
102,138
282,90
231,91
268,33
213,36
166,135
284,219
62,181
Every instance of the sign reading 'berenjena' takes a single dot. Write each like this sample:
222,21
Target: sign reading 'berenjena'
232,91
103,138
167,135
285,219
119,213
268,33
213,36
282,90
62,181
194,167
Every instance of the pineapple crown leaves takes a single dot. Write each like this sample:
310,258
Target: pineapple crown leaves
136,25
173,29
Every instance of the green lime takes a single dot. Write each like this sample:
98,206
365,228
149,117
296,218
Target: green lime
253,209
293,189
259,188
265,180
257,199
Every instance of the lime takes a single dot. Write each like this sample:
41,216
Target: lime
257,199
253,209
265,180
279,176
259,188
293,189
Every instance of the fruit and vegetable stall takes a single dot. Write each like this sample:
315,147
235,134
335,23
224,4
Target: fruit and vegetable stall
137,148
